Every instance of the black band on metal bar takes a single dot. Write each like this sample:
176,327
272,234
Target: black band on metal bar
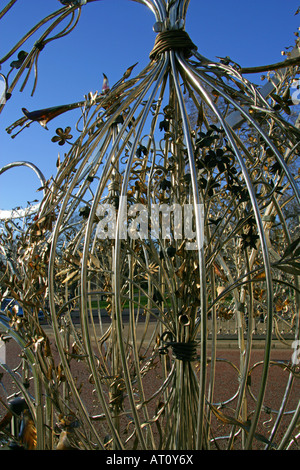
182,351
172,40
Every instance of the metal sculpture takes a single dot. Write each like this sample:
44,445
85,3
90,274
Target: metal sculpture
156,230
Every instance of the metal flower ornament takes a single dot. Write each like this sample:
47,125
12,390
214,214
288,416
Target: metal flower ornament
168,228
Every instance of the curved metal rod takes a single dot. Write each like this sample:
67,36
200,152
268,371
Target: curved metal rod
182,9
287,390
226,402
250,119
151,4
30,165
246,115
245,352
92,146
39,174
82,151
195,80
7,8
54,316
64,32
51,268
52,306
163,68
292,425
32,31
200,247
65,12
36,410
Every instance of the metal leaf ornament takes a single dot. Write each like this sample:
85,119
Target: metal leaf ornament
164,216
62,135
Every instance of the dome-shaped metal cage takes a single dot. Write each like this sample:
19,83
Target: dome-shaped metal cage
165,233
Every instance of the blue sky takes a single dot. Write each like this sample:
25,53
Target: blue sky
111,36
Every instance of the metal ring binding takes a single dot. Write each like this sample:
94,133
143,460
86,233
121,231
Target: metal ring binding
172,40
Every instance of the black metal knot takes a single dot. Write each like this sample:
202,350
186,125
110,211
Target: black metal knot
39,45
182,351
172,40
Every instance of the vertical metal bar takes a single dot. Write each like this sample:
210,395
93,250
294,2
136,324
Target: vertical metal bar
122,210
195,81
200,246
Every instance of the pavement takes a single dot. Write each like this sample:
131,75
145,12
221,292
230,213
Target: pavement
223,341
